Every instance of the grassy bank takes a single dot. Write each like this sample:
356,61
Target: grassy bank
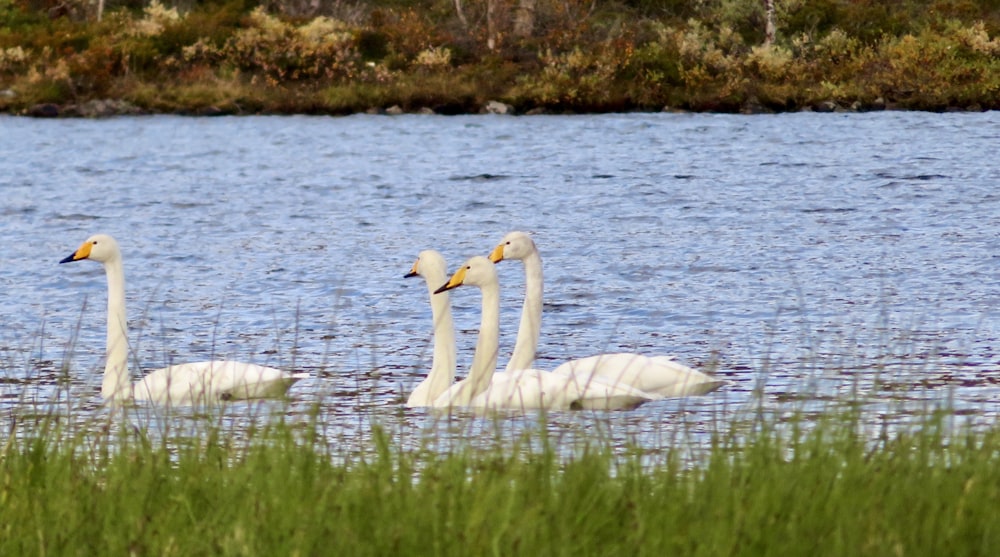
238,57
823,492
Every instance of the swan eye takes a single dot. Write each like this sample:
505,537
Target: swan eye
94,243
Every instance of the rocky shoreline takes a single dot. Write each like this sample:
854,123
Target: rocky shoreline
108,108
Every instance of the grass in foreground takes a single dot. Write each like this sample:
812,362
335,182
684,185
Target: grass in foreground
822,492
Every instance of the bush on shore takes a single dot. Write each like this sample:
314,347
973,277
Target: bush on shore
238,56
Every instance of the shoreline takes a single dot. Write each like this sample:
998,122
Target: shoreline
111,108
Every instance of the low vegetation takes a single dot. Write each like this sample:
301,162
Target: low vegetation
335,57
281,490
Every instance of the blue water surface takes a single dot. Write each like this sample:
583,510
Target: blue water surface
812,260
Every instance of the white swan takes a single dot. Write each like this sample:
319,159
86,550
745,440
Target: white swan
431,266
657,374
523,388
183,384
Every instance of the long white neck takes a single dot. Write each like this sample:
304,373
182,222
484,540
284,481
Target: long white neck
116,384
442,372
484,362
531,315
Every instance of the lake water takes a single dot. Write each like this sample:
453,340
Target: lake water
813,260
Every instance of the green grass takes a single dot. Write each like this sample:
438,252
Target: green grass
279,490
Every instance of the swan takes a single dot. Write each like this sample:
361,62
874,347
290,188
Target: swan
182,384
431,266
522,388
652,374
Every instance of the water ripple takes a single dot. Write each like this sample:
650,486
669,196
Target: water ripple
805,257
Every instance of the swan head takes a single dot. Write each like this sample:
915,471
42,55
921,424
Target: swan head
99,247
515,245
478,271
429,264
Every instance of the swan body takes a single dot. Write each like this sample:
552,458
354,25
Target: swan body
657,374
182,384
653,374
533,389
431,266
521,389
207,382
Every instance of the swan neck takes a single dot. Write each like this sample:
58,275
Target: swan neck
485,360
531,315
116,384
442,372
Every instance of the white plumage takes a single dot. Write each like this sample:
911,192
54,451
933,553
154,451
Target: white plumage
521,389
182,384
657,374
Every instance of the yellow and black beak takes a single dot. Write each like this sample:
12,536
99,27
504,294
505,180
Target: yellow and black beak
496,255
82,253
455,281
413,270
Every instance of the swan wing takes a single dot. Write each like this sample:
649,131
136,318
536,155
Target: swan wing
523,389
213,381
533,389
660,375
600,393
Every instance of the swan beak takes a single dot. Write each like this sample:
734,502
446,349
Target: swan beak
82,253
413,270
456,280
496,255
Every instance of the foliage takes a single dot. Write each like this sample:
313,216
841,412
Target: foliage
571,78
280,51
582,56
958,67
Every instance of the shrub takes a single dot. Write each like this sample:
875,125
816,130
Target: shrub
576,78
321,48
13,59
940,69
434,59
155,18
